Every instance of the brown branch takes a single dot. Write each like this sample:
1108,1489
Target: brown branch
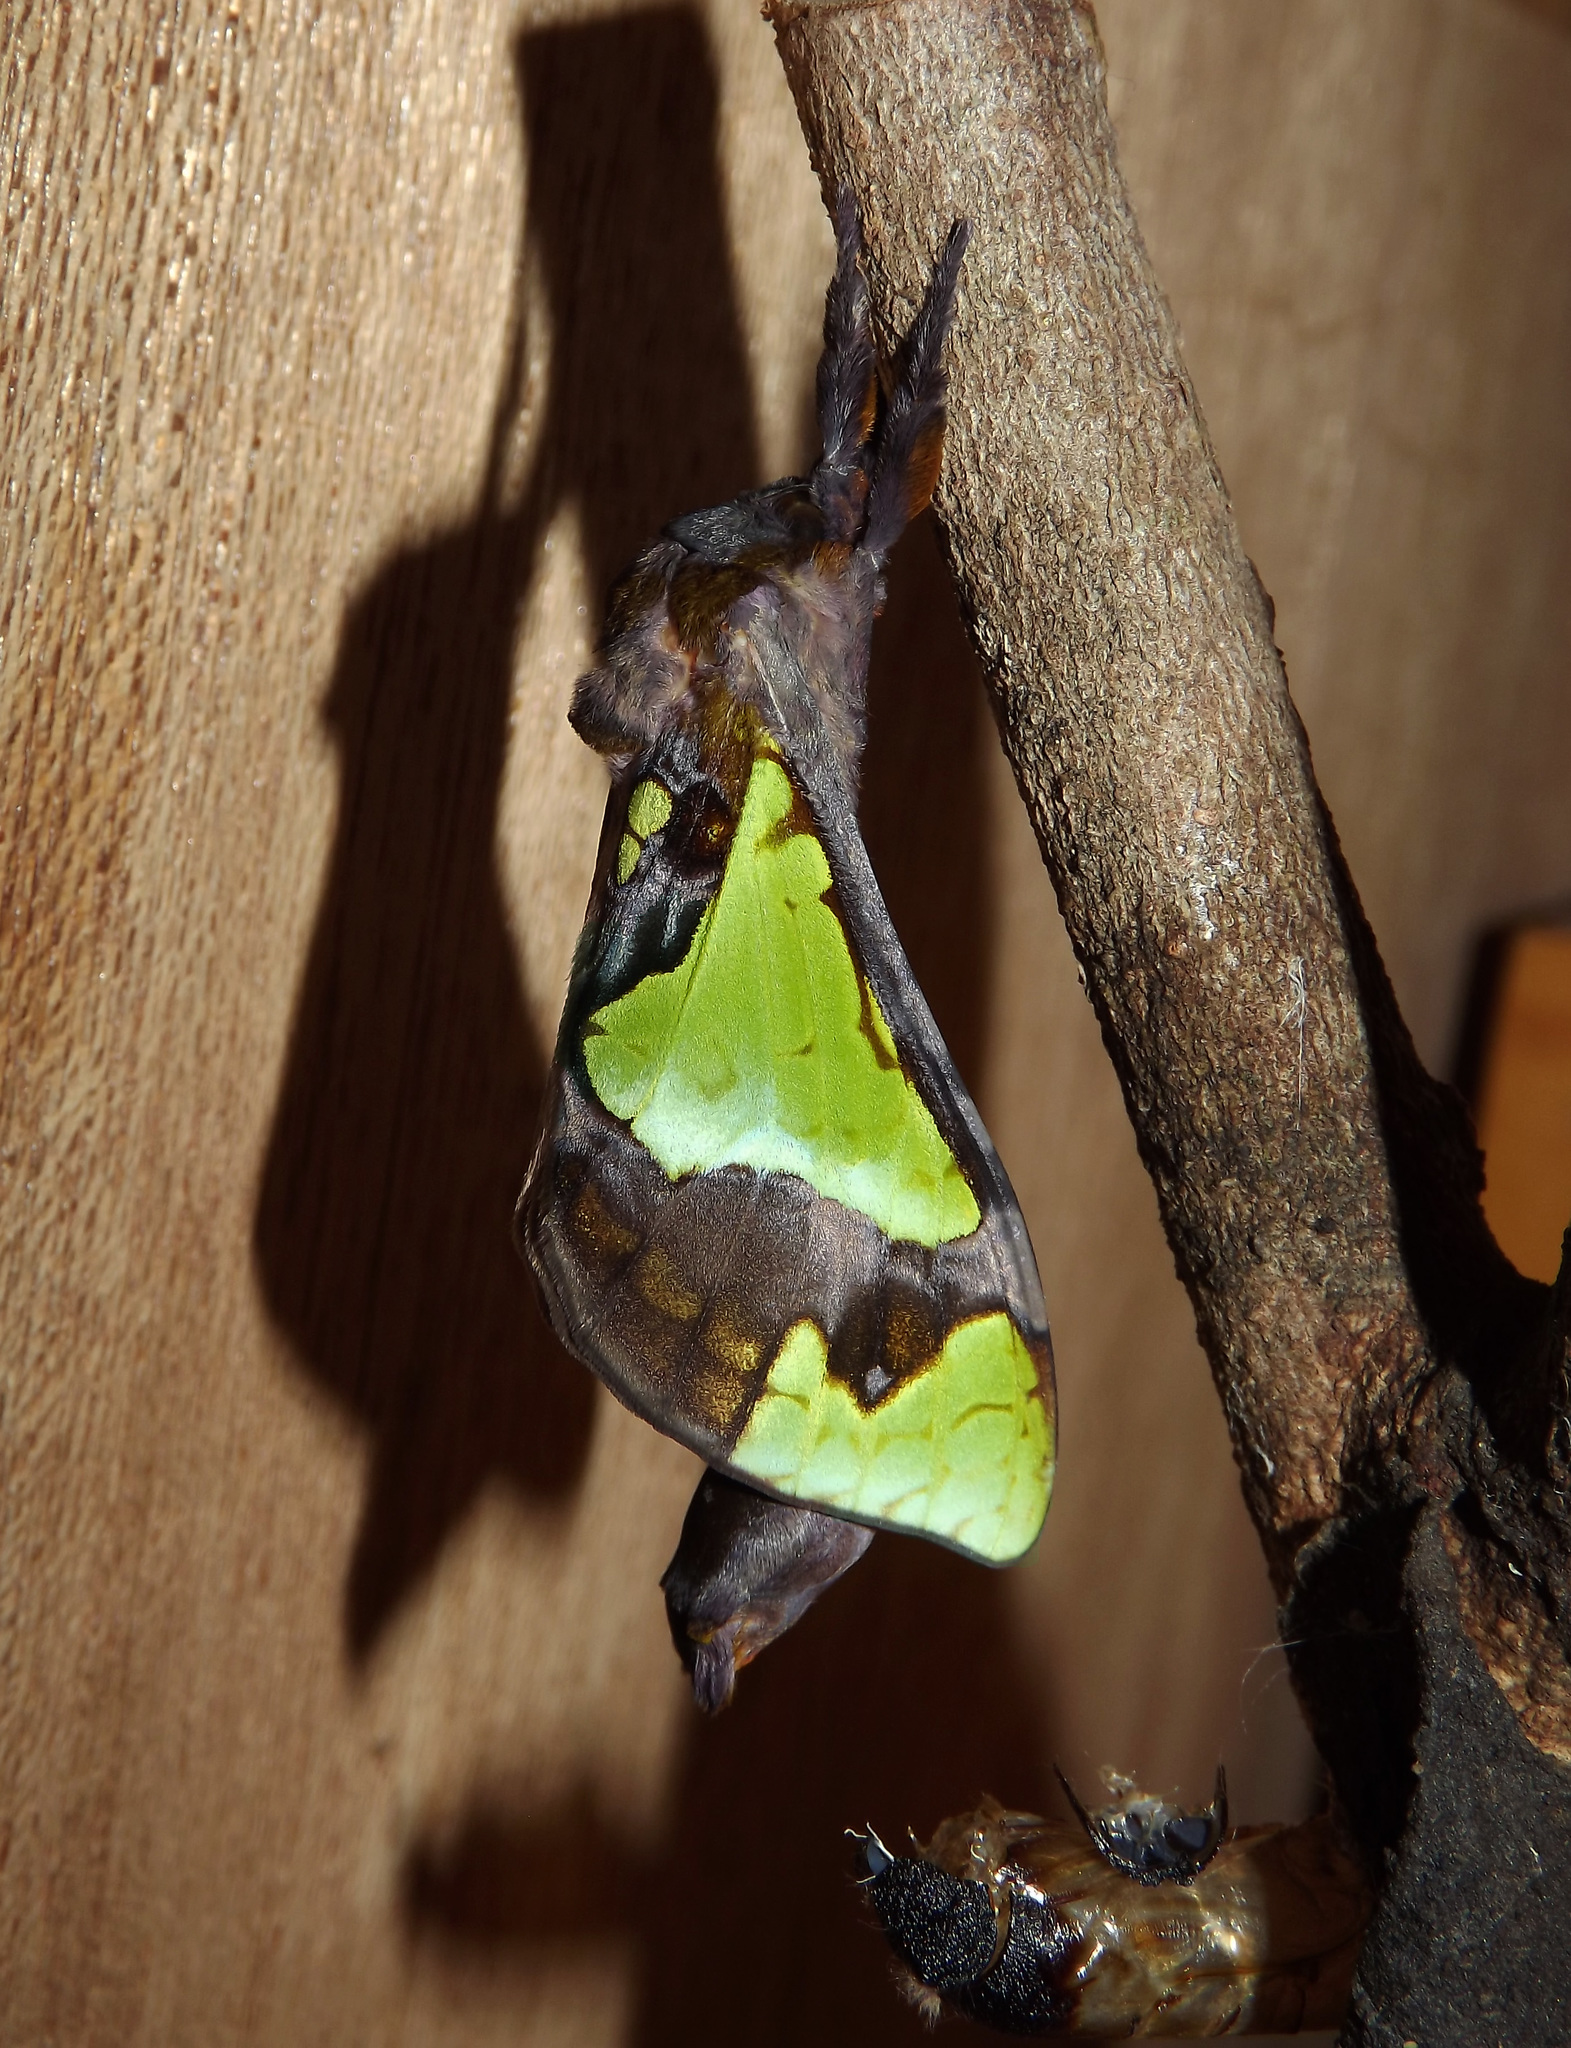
1373,1350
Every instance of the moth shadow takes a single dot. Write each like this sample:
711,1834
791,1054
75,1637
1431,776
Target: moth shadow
412,1084
897,1701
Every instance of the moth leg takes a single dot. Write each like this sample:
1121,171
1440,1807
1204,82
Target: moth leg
746,1569
847,381
911,434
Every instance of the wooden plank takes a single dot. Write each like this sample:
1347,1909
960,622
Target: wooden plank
348,351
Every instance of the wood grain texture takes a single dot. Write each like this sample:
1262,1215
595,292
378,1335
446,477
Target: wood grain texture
1358,250
347,351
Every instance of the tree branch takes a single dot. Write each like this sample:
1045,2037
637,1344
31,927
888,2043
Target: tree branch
1381,1364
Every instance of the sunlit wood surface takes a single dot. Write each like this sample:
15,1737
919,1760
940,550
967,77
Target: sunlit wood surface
349,351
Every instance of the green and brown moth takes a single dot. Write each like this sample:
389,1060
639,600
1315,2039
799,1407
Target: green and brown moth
763,1208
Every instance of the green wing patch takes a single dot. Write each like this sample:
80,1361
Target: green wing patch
907,1386
649,808
963,1451
765,1046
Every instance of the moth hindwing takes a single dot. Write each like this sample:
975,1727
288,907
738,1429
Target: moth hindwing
763,1207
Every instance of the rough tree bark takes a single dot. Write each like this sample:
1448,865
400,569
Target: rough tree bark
1397,1394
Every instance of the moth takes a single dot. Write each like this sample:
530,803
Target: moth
763,1207
1044,1927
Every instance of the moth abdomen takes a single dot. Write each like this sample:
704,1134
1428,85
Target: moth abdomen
746,1569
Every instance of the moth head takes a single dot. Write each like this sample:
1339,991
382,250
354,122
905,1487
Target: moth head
779,587
873,1859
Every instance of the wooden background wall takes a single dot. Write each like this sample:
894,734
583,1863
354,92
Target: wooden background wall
348,351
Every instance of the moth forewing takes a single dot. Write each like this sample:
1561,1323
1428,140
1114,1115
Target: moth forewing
755,1276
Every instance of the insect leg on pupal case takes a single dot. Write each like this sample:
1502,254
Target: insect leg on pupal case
1028,1925
763,1207
1149,1840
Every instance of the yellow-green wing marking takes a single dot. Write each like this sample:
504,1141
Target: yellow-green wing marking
648,809
765,1047
963,1451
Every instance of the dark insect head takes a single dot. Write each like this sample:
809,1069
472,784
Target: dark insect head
1149,1840
944,1929
786,580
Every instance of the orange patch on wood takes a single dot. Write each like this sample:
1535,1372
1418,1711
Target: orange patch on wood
1524,1120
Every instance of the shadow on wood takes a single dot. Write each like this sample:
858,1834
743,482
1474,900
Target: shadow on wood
414,1078
896,1701
924,794
412,1088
